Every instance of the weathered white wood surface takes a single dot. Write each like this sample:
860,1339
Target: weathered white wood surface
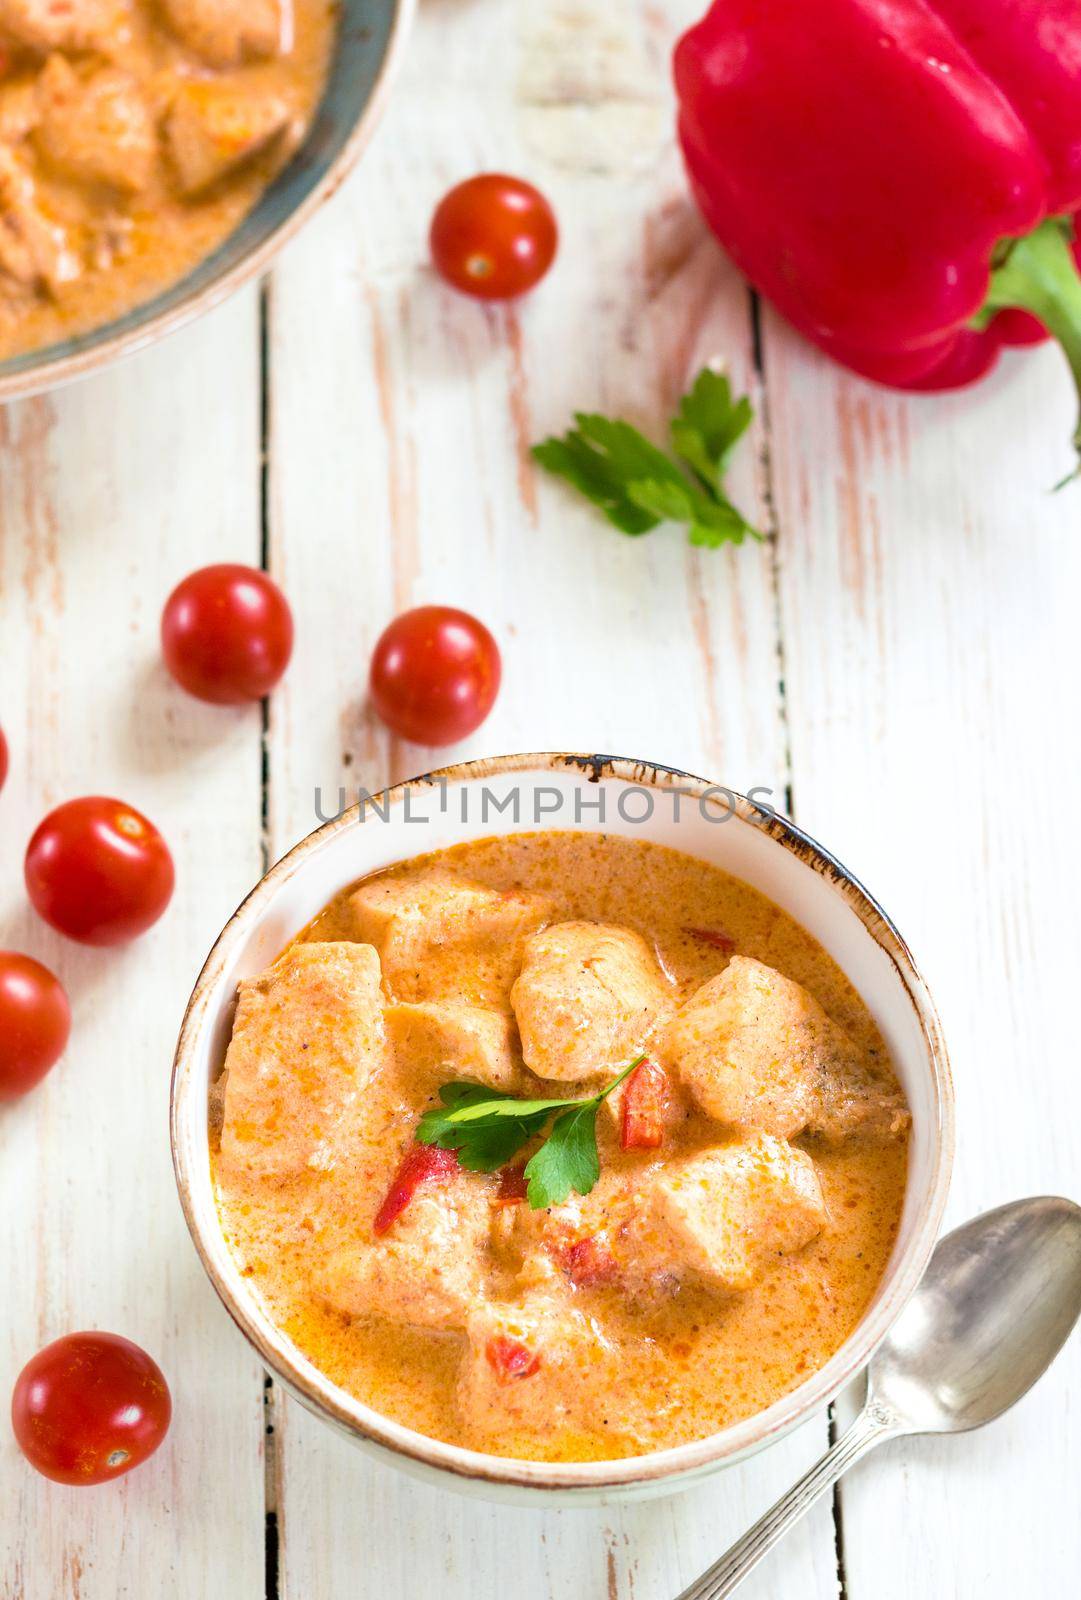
928,610
909,640
109,493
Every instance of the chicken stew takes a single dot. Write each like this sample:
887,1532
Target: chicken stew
134,137
751,1168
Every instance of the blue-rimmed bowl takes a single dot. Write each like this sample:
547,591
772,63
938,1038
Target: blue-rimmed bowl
371,34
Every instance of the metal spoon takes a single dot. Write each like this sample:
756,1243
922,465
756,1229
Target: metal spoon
996,1304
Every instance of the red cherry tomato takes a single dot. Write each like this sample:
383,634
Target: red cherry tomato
98,871
435,674
493,236
35,1021
227,634
3,758
89,1407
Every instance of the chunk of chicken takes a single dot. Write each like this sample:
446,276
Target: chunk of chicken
228,32
446,1040
35,258
588,1241
563,1252
307,1040
20,110
213,127
757,1051
427,1270
587,999
96,128
441,937
530,1244
44,25
728,1215
534,1368
719,1219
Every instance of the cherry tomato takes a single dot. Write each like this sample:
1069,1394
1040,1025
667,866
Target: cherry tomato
435,674
89,1407
35,1021
98,871
227,634
493,236
3,758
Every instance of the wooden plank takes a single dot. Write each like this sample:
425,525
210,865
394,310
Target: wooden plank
929,583
401,420
109,493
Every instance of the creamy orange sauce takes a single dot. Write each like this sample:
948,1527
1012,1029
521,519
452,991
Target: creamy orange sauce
78,250
678,1362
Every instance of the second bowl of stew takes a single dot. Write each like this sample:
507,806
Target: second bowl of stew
155,153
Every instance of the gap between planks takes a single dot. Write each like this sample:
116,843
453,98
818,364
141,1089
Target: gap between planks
264,547
272,1406
772,532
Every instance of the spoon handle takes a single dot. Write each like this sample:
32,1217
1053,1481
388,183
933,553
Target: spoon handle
871,1427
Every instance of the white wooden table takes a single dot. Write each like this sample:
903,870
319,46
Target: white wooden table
899,665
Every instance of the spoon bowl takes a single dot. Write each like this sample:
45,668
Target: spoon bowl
996,1305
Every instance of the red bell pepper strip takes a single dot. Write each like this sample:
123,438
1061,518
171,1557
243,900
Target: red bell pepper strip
589,1263
512,1185
645,1104
421,1164
714,936
510,1358
900,177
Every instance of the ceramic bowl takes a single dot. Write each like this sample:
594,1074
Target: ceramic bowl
642,801
371,34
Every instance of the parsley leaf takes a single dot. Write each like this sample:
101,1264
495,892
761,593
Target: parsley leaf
566,1160
497,1130
603,460
491,1146
711,522
488,1129
708,427
637,486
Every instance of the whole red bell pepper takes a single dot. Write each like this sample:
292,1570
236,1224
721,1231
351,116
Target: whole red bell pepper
899,177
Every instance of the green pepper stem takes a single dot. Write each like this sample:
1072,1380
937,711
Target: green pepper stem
1039,274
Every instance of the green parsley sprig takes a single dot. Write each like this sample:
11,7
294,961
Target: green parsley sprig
638,486
488,1129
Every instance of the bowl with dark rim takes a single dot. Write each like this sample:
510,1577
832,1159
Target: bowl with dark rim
367,50
642,800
